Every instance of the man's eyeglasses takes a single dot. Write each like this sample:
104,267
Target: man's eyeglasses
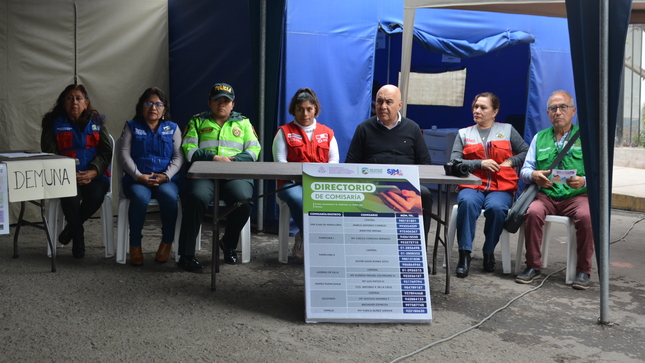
150,104
562,107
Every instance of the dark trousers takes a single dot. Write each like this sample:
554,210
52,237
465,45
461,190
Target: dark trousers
199,194
87,201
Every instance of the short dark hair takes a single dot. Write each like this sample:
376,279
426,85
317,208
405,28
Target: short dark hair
494,100
304,94
138,114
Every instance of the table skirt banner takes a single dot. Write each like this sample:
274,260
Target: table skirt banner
41,179
365,250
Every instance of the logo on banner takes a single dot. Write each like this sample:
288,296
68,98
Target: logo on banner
395,172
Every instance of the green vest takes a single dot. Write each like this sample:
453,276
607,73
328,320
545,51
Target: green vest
545,153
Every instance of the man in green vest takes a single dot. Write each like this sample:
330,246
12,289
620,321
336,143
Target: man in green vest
565,198
219,135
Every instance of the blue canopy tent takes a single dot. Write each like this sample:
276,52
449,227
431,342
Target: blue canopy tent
335,53
598,31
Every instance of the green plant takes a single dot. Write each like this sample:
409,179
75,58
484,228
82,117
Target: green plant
639,140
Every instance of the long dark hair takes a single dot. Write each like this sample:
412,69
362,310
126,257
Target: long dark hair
138,114
59,108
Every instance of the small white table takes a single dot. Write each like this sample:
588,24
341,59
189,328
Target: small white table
36,178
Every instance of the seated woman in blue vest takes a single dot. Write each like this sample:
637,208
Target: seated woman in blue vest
492,150
74,128
150,155
302,140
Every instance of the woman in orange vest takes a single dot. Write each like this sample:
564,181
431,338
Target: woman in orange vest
492,150
302,140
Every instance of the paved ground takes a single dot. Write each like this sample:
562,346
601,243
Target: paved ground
96,310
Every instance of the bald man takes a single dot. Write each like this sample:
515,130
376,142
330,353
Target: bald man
389,138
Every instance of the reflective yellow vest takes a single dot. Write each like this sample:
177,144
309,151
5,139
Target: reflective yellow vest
204,137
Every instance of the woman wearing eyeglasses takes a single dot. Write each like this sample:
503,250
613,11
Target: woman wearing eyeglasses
150,155
491,150
74,128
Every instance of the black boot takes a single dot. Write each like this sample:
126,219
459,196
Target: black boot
78,242
464,263
489,262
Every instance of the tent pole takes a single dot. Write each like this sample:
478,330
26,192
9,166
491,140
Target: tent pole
406,54
261,101
603,230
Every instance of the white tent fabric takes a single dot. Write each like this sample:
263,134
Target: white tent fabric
116,48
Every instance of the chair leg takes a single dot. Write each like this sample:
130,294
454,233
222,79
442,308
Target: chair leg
452,231
506,252
123,231
245,242
520,251
283,231
546,238
107,222
53,215
572,253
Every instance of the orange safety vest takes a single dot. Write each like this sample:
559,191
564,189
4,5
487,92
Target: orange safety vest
497,148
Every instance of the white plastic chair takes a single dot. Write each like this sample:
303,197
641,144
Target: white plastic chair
123,223
283,230
572,253
57,220
244,242
504,240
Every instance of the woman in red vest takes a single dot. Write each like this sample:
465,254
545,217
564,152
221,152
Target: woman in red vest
303,140
492,150
74,128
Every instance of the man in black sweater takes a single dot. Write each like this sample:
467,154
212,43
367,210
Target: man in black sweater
389,138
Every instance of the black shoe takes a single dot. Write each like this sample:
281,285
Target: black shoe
190,264
78,251
527,276
65,236
230,256
581,282
464,263
78,244
489,262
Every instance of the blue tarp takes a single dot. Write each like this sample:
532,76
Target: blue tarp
332,49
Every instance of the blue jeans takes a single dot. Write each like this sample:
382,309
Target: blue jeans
471,202
293,198
166,194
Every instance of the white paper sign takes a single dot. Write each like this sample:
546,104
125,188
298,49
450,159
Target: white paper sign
41,179
4,201
561,176
365,251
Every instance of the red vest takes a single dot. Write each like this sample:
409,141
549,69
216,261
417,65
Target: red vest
497,148
301,149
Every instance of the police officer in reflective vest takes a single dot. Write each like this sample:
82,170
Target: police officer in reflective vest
219,135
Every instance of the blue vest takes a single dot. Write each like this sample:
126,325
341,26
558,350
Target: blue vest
151,151
79,144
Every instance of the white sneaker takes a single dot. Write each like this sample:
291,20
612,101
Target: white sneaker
298,247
